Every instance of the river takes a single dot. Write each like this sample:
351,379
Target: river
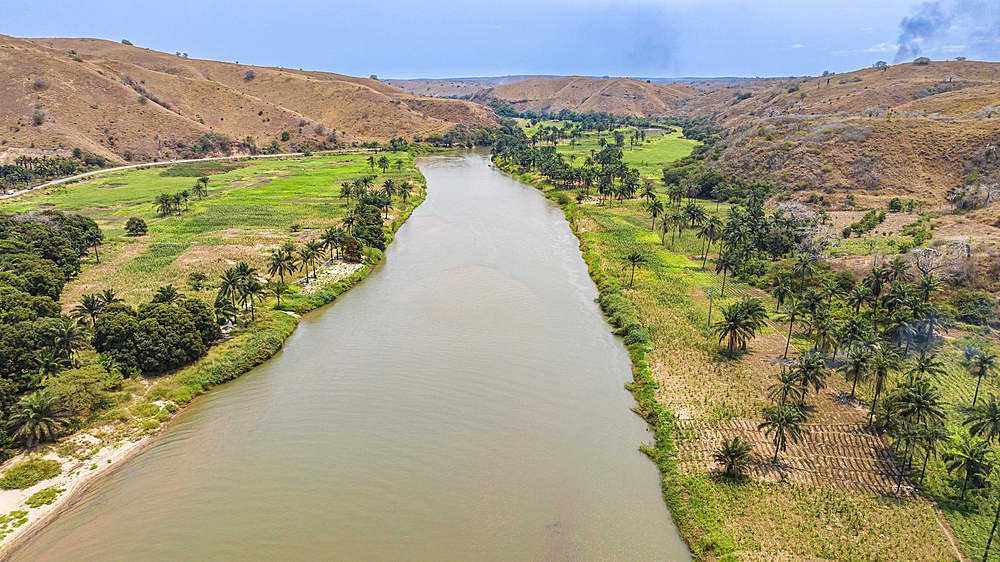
465,402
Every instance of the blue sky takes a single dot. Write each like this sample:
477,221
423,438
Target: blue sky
451,38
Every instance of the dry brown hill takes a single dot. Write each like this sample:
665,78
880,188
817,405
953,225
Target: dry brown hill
620,96
454,87
92,100
907,130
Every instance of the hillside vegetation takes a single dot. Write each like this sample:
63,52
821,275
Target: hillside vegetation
126,103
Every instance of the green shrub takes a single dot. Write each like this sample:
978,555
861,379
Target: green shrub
285,135
136,227
86,389
29,473
974,307
44,496
895,204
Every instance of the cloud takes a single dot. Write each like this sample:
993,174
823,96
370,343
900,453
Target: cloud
799,46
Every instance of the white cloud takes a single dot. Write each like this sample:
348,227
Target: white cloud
799,46
953,48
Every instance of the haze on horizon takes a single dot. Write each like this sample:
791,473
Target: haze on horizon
447,38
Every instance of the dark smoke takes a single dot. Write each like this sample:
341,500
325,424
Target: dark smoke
930,20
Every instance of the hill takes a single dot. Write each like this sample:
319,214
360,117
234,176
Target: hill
128,103
620,96
913,131
454,87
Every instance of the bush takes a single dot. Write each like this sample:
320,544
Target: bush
249,75
126,42
136,227
37,119
285,135
29,473
44,496
974,307
84,390
895,204
921,61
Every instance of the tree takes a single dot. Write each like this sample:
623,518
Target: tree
107,296
250,292
68,337
94,238
197,280
280,263
634,258
229,285
985,420
136,227
201,187
307,258
924,365
883,360
981,363
804,267
37,418
971,459
88,309
785,422
856,367
725,265
735,456
788,389
740,322
164,204
795,309
811,370
931,436
655,208
167,294
279,289
782,292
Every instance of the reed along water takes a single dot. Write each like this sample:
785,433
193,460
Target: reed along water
465,402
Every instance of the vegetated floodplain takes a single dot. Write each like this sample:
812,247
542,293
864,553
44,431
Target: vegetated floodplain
834,494
164,243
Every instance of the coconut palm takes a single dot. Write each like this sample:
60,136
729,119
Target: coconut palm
655,208
634,259
928,287
93,238
971,459
164,204
735,456
985,420
785,422
926,365
229,285
225,310
47,362
788,389
931,437
307,258
740,322
782,292
858,296
316,247
883,360
68,336
88,309
856,367
726,264
279,289
899,270
37,418
201,187
168,294
811,370
713,229
106,297
981,363
251,291
794,310
804,267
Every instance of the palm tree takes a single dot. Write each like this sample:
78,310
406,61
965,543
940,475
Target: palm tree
782,291
883,360
250,291
229,285
389,188
384,163
930,437
106,297
831,289
168,294
68,336
307,257
971,459
928,286
985,420
164,204
726,264
811,370
804,267
225,310
789,387
735,456
634,258
795,309
88,309
201,187
655,208
279,290
858,296
981,363
899,270
857,366
785,421
925,365
280,263
94,238
37,418
740,322
316,247
48,362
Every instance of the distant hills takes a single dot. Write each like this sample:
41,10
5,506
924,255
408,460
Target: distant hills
124,102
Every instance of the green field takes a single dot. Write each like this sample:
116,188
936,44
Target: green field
251,207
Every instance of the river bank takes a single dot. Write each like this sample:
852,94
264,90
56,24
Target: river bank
116,435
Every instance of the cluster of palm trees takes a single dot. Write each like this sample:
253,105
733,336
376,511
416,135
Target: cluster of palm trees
383,163
177,202
380,197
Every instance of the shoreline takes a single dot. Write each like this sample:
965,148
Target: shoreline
112,456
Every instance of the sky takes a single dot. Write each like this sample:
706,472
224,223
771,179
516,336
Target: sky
467,38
